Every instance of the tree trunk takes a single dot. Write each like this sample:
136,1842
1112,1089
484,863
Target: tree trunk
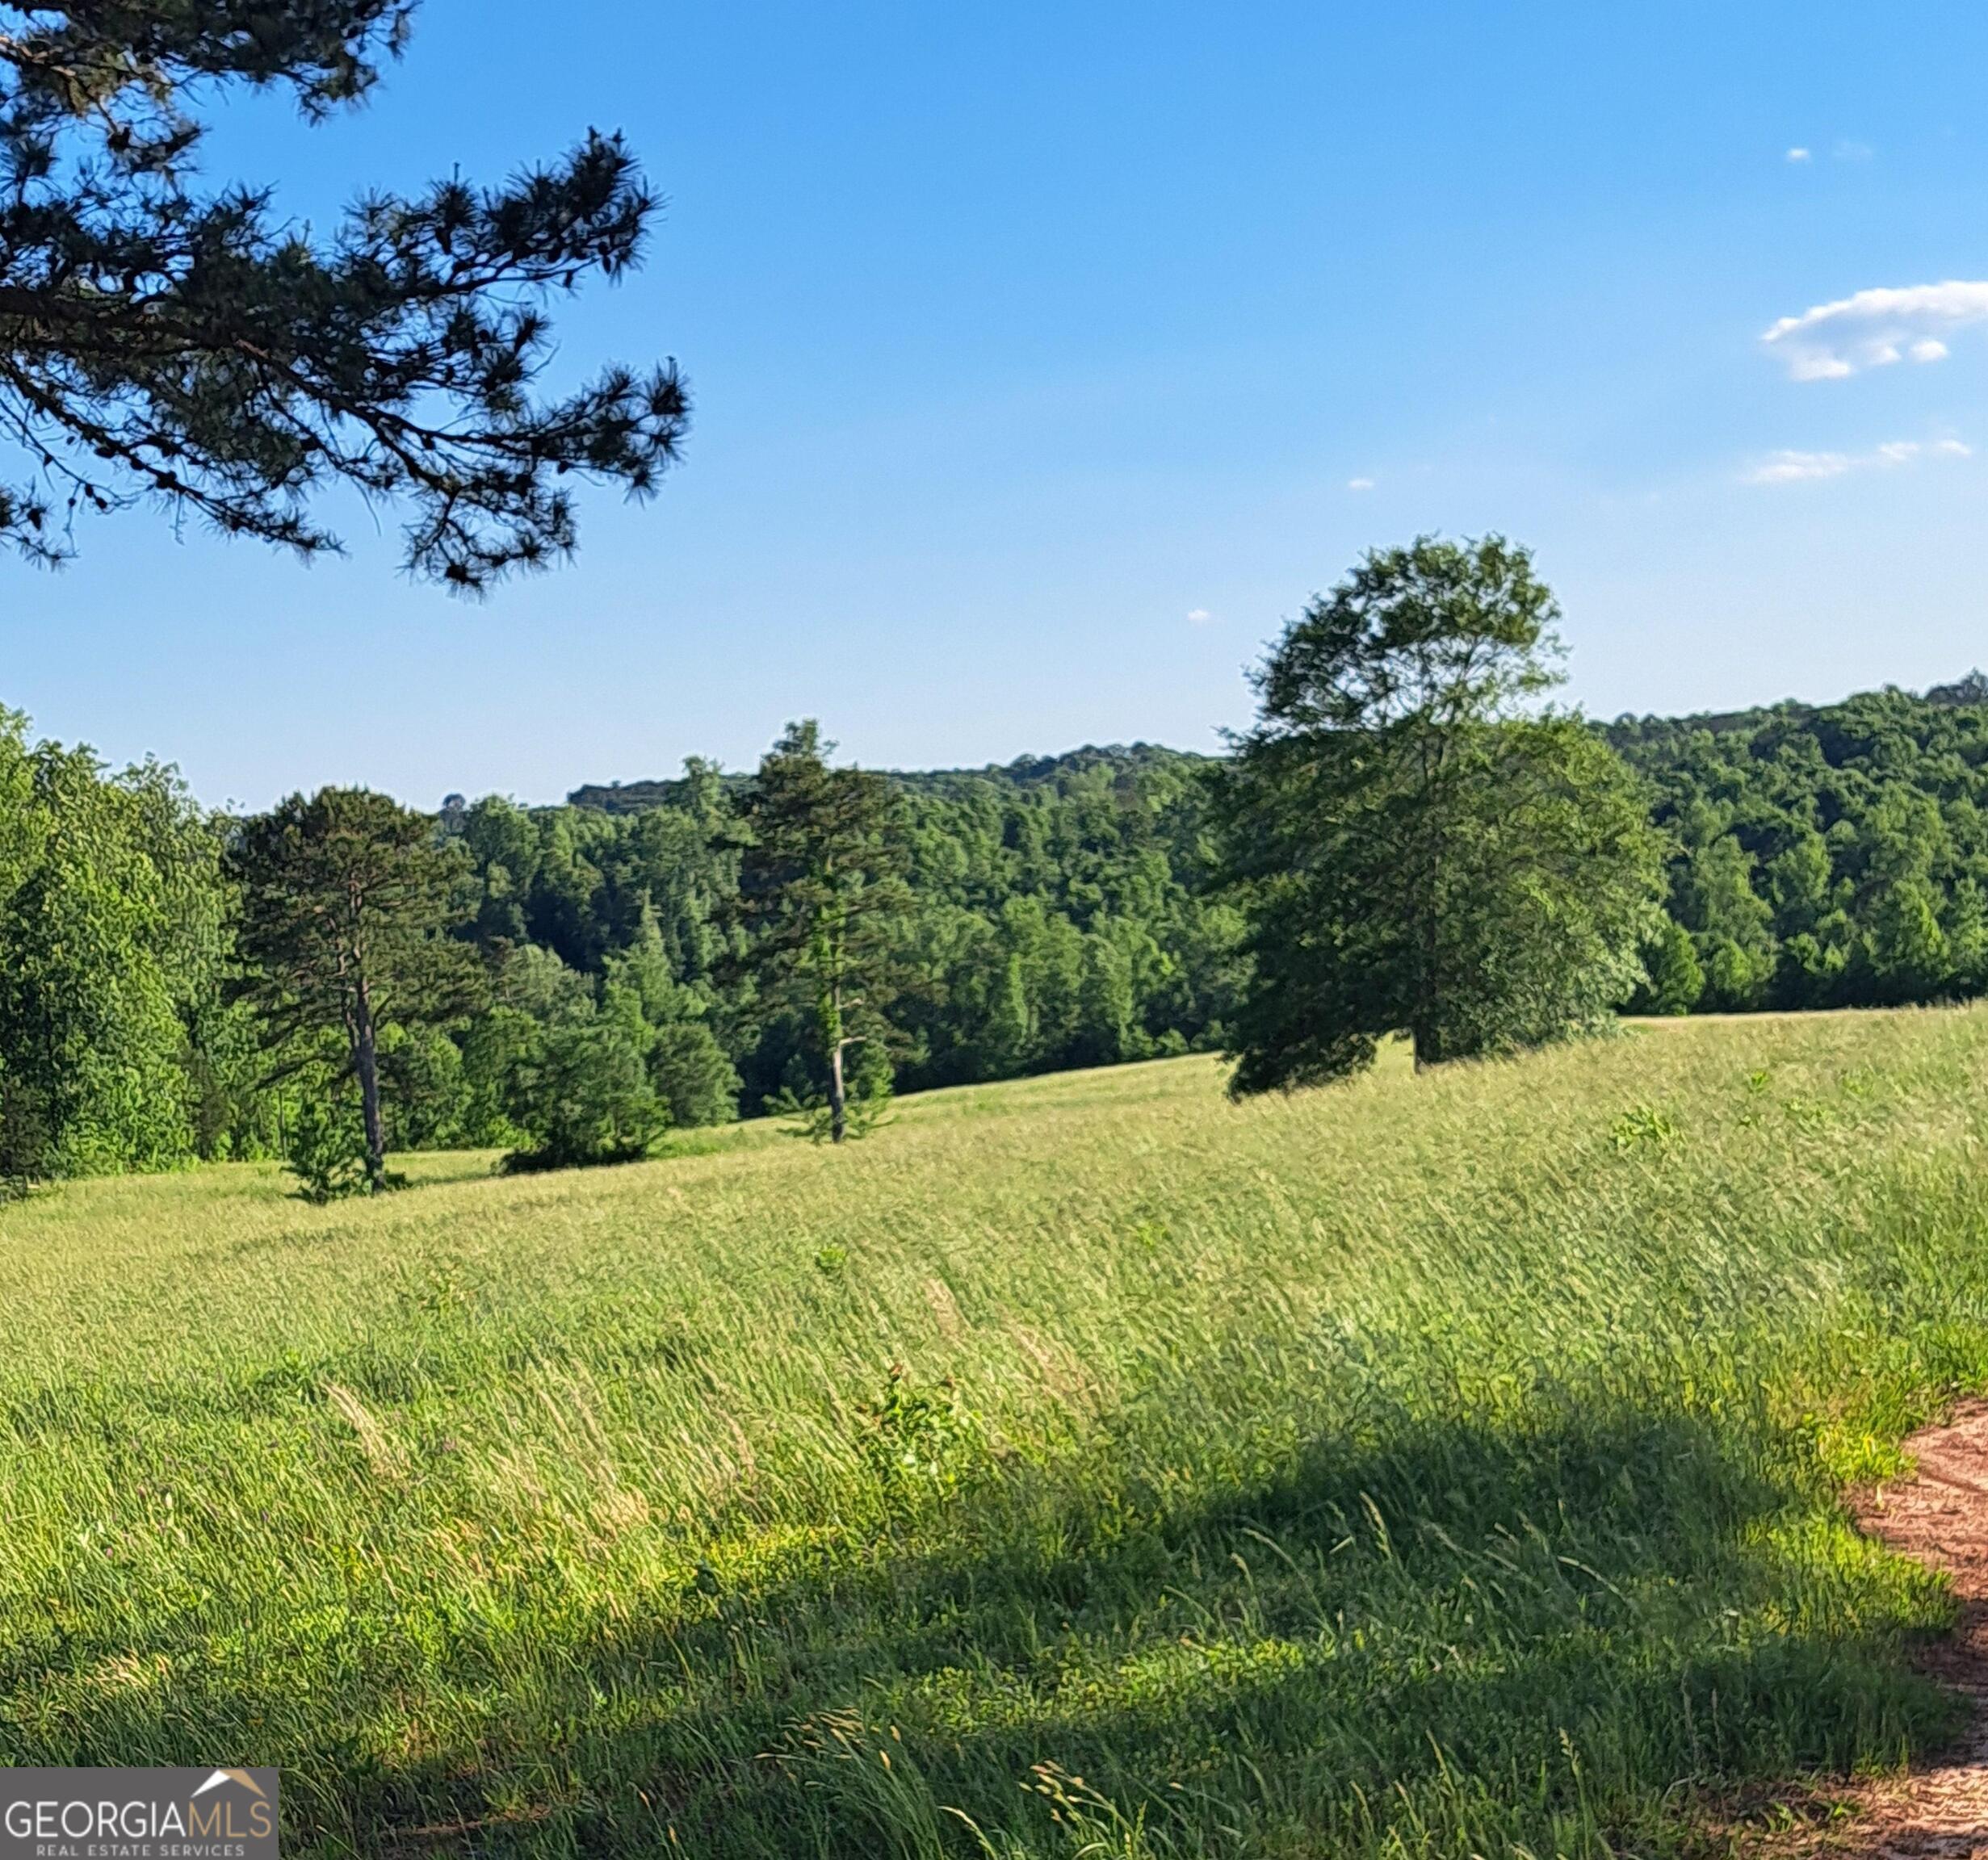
365,1060
834,1042
1425,1027
838,1098
1426,1033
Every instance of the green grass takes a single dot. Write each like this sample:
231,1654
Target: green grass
1440,1465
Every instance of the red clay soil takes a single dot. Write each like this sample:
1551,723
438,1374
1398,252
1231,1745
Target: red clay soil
1940,1516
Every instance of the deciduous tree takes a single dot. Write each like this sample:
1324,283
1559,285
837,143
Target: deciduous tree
112,931
1417,844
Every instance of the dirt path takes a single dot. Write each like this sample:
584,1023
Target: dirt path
1941,1517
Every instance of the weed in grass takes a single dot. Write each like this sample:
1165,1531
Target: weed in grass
1644,1128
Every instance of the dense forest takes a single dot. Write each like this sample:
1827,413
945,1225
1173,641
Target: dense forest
1054,919
1056,916
1056,913
1825,856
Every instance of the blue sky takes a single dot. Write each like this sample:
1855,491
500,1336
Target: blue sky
1047,357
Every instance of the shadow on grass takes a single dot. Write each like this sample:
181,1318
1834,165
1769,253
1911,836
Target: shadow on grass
1463,1637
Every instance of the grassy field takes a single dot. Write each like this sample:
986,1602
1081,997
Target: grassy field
1439,1465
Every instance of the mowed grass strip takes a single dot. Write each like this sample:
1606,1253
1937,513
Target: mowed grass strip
1432,1465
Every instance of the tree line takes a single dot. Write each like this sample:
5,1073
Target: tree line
341,977
1831,856
1411,840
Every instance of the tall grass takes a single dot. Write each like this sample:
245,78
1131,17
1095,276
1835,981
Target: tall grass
1434,1465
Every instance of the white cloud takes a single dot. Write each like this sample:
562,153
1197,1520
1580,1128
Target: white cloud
1797,467
1904,451
1847,150
1359,484
1874,328
1800,155
1199,617
1791,467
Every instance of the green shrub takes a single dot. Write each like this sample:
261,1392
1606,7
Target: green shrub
582,1095
324,1146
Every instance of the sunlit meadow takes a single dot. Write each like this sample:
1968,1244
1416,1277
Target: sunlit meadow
1445,1464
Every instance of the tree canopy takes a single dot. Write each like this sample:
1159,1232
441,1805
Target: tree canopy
113,938
1415,845
1824,856
186,346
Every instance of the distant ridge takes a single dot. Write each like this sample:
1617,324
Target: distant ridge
1963,692
1131,759
1972,689
1121,759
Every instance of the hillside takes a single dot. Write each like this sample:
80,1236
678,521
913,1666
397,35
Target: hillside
1063,912
1826,856
1118,759
1058,917
1655,741
1428,1465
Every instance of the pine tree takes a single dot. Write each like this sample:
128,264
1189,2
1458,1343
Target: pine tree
820,885
195,350
347,902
